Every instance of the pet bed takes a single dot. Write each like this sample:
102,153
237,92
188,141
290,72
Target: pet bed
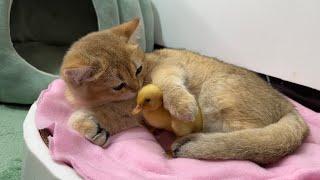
135,153
36,33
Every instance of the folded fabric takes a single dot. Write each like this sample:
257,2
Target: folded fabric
136,154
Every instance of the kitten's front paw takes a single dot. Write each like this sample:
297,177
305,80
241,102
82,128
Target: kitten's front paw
101,138
86,124
183,106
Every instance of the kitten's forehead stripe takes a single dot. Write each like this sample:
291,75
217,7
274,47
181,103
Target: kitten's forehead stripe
130,73
120,77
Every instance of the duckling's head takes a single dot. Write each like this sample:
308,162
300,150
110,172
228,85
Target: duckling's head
149,98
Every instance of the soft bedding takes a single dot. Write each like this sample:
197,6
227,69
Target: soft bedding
136,154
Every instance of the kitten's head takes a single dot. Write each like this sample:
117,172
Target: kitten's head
105,66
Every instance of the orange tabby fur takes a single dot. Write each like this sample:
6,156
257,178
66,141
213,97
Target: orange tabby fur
243,117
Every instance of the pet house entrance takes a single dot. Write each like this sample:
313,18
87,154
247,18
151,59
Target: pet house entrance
42,30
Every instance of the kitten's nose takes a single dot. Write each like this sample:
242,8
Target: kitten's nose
134,86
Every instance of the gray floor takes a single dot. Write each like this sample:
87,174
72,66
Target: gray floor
11,140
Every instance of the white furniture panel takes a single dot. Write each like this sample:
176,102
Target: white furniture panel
280,38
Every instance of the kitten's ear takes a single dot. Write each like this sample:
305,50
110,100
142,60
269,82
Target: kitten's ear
76,76
127,30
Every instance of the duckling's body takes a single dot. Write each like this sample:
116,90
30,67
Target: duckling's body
159,118
149,100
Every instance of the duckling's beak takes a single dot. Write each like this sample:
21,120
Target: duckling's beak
137,109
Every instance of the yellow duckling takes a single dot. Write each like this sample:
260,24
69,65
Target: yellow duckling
149,101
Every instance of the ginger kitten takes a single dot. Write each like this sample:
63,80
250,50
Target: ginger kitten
243,117
103,71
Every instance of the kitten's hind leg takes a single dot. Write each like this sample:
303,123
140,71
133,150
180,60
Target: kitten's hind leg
87,125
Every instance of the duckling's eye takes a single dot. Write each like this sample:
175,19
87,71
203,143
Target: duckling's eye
148,100
138,70
120,86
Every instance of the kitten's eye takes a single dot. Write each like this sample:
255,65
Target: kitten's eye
139,70
147,100
122,85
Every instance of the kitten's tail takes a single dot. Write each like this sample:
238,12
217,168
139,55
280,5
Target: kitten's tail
261,145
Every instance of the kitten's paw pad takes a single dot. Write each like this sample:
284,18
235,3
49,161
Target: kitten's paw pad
101,138
84,123
179,148
182,107
186,112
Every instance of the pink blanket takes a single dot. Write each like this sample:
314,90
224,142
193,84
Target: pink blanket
135,153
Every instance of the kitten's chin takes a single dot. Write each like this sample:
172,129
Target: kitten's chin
128,96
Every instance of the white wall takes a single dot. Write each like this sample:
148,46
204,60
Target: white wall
276,37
